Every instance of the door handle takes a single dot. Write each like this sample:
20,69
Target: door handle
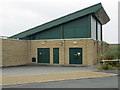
75,54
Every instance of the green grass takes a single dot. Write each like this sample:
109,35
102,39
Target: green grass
111,53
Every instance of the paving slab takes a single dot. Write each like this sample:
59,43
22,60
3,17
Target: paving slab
10,80
99,82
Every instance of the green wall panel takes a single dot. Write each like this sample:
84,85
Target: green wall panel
69,30
53,33
78,28
82,28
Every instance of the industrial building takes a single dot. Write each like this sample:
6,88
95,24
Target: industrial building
73,39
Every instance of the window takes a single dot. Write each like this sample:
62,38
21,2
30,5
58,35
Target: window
99,31
93,28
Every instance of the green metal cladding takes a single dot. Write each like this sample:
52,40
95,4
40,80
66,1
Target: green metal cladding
79,28
75,25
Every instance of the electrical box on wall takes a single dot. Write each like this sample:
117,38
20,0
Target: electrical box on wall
33,59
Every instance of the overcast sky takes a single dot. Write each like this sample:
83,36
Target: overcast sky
20,15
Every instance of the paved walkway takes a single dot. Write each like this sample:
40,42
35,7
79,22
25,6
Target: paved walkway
32,74
100,82
9,80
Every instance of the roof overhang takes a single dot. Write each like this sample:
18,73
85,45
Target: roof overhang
102,16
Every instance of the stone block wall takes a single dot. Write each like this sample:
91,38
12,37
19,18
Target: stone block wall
21,52
15,52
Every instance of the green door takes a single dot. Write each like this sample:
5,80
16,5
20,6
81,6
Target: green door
43,55
56,55
75,55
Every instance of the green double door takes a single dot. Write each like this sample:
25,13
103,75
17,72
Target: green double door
75,55
43,55
56,55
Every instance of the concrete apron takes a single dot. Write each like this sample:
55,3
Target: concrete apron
10,80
